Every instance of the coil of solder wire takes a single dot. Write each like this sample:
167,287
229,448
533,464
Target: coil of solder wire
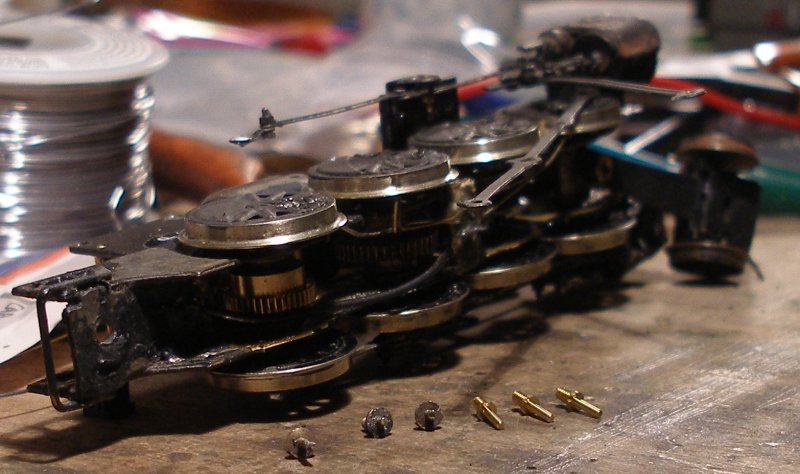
75,109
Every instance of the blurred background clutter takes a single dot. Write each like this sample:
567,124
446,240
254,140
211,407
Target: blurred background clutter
228,59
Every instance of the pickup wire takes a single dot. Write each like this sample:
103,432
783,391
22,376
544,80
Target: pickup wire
352,304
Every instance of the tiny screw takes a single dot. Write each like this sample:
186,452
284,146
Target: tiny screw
298,445
378,423
428,416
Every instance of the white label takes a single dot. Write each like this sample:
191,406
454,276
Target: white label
19,327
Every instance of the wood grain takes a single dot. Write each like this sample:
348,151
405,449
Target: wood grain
690,379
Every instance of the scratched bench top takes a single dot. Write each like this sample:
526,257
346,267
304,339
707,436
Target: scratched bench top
689,378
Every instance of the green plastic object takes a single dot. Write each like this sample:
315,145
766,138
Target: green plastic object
780,189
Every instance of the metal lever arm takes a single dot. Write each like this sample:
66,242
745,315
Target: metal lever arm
526,168
268,124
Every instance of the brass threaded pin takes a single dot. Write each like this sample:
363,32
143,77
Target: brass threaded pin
575,400
530,405
487,411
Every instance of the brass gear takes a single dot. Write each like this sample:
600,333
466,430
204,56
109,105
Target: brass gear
401,247
287,300
256,294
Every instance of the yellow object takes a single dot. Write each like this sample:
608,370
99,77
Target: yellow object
530,406
487,411
575,401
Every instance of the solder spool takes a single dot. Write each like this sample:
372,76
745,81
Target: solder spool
75,111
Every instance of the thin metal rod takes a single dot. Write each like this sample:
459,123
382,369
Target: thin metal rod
269,124
267,129
673,94
336,111
47,352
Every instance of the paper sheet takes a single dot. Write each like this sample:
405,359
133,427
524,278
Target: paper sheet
19,328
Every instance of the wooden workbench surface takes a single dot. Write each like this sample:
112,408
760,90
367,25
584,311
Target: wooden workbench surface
690,378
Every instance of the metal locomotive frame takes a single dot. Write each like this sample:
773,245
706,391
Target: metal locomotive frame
274,285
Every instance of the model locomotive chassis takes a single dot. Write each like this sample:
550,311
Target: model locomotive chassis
276,285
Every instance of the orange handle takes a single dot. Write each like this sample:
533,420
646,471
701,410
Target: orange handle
195,169
774,55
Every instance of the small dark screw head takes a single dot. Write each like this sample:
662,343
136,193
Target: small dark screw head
428,416
378,423
298,445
